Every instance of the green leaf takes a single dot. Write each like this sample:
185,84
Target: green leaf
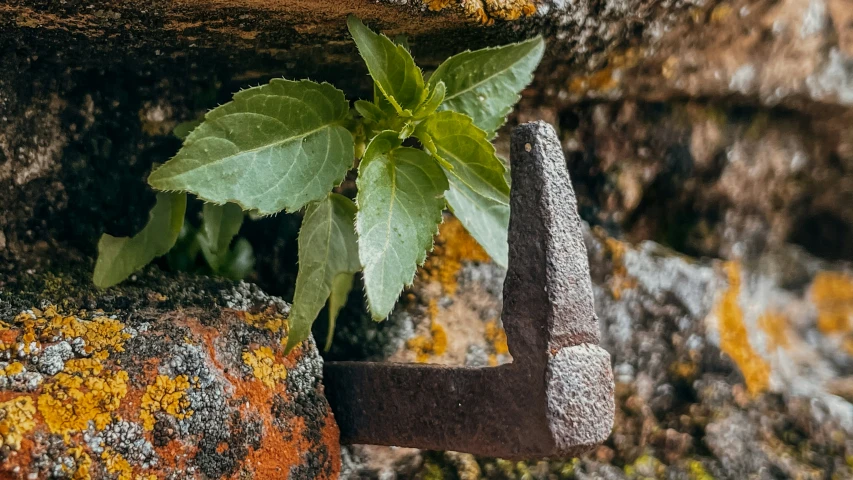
433,102
274,147
485,84
400,199
183,129
403,41
479,193
327,248
220,223
182,256
391,66
119,257
341,286
240,261
370,111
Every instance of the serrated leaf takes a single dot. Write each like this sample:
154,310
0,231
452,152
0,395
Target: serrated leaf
433,102
119,257
391,66
183,129
341,286
485,84
220,223
274,147
327,248
479,193
400,199
403,41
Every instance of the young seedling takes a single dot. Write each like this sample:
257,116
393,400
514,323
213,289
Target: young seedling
284,146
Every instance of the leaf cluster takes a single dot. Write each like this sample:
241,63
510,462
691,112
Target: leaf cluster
285,146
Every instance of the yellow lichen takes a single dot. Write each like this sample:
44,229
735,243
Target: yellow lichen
273,322
620,280
646,464
438,5
453,246
435,344
13,368
100,333
721,13
496,336
116,464
832,294
606,78
264,367
84,366
775,325
17,419
734,339
507,9
167,395
82,464
684,370
697,471
70,401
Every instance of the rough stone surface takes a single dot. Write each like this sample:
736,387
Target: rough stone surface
580,411
160,378
713,179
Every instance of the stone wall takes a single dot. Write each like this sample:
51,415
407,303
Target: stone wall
708,141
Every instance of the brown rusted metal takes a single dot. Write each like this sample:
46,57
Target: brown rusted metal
556,397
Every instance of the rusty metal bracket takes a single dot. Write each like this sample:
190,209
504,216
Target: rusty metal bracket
556,397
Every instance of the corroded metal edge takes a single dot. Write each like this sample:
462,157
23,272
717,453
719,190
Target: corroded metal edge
556,398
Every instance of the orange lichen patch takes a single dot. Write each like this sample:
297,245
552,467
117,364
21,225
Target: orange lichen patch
264,366
285,449
166,395
721,13
18,418
453,246
435,344
620,280
832,294
496,336
438,5
69,402
734,339
605,79
684,370
775,325
487,11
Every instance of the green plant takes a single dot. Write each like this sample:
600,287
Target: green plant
284,146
